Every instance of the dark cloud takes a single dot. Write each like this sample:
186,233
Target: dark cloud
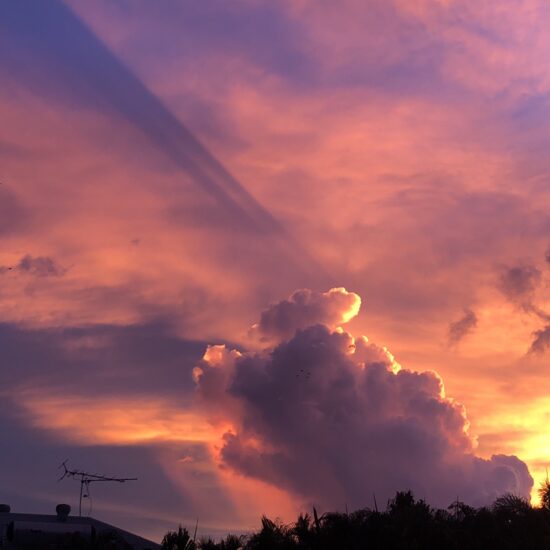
519,282
547,256
465,325
305,308
41,266
358,424
541,341
104,360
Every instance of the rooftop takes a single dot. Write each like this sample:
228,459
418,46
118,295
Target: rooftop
23,530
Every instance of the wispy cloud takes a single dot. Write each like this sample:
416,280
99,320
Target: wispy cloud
462,327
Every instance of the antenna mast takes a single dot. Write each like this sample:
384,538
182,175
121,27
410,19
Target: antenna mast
86,478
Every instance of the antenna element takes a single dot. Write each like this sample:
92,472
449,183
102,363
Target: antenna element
86,478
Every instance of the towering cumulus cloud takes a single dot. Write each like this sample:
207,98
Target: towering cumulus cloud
305,308
333,418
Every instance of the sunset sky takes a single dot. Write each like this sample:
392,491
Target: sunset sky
264,255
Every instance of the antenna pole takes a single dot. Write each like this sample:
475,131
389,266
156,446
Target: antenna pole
196,527
86,478
80,500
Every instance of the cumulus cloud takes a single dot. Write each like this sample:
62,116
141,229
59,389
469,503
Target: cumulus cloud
464,326
304,308
357,424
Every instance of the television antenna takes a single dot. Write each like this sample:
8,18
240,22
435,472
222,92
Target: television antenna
86,479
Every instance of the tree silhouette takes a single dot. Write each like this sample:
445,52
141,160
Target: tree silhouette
231,542
178,540
511,523
544,494
273,535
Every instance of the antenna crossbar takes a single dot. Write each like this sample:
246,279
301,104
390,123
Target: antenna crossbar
86,478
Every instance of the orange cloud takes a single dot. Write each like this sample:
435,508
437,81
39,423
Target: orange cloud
118,421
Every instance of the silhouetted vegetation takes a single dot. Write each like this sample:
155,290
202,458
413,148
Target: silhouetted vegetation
178,540
511,523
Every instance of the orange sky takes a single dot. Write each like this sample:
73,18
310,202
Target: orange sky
398,151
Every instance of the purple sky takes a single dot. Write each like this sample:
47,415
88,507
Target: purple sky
181,186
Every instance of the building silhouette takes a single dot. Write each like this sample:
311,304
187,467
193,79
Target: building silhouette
21,531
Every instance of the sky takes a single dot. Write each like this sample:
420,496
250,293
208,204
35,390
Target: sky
270,255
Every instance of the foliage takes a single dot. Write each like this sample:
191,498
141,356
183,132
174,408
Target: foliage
231,542
544,494
178,540
511,523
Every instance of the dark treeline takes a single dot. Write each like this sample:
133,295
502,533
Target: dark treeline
510,523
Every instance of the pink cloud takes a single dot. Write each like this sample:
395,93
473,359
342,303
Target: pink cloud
304,308
333,419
